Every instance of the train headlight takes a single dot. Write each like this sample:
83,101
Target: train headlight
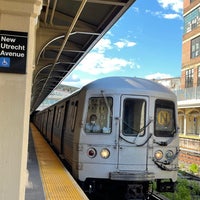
91,152
158,155
105,153
169,155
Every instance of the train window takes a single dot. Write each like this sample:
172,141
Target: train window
56,117
133,121
99,115
164,118
74,114
58,121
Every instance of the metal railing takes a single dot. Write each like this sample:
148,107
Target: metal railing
187,93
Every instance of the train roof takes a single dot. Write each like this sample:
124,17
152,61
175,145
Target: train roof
128,83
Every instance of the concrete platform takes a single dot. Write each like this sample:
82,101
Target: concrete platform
48,179
34,188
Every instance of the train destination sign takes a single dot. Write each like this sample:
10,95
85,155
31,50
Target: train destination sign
13,52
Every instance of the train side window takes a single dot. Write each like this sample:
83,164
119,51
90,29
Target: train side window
59,116
66,115
99,115
164,123
56,117
74,114
58,120
133,121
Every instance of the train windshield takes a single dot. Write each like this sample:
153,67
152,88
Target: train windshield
133,121
99,115
164,118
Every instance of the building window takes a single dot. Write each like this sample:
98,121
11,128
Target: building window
198,78
189,78
195,47
192,20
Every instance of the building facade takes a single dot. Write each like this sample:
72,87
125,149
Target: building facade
190,74
59,93
189,95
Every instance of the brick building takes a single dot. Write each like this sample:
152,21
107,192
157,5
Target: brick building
189,95
190,76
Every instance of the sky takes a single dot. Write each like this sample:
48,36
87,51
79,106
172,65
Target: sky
145,42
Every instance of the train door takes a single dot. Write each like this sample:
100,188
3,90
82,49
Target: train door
132,154
64,126
68,130
58,125
50,124
45,123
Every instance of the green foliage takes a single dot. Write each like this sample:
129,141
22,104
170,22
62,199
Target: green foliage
194,168
195,188
185,190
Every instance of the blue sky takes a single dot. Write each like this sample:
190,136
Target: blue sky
146,42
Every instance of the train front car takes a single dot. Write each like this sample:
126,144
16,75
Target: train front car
128,137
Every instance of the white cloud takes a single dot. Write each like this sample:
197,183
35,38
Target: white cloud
173,9
120,44
165,15
135,9
158,76
74,80
103,45
124,43
175,5
172,16
97,63
106,44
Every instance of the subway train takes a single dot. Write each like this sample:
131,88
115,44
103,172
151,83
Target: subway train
116,132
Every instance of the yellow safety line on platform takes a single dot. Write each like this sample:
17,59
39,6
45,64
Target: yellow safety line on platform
57,182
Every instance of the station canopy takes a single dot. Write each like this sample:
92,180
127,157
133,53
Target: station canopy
67,31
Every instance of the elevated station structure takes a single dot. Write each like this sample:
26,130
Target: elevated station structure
67,31
41,41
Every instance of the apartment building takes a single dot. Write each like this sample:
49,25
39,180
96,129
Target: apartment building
189,95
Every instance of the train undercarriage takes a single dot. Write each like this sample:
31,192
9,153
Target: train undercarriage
105,189
109,189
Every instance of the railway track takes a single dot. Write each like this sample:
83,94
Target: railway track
188,176
157,196
104,196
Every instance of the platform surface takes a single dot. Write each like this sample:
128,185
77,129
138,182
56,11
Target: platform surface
48,178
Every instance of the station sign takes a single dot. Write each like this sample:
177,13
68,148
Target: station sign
13,51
